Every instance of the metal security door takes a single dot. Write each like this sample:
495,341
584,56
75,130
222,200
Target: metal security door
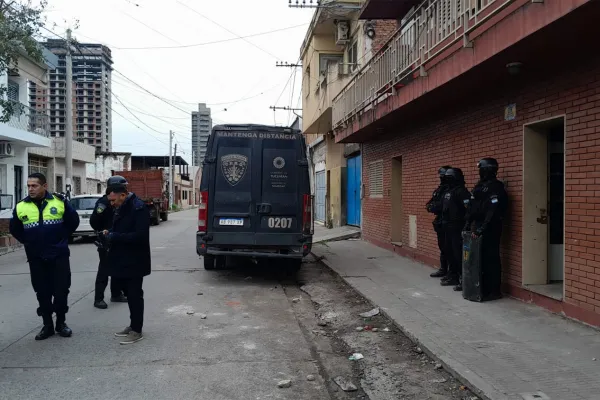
321,189
353,190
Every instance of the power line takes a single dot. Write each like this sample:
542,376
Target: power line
149,27
185,46
227,29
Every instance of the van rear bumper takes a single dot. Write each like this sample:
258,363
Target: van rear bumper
297,248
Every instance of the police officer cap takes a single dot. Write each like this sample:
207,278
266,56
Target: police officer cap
116,180
455,173
442,170
488,163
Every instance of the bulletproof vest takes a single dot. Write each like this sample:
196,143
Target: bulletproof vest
31,217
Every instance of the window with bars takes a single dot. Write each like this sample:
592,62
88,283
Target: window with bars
376,179
12,93
39,165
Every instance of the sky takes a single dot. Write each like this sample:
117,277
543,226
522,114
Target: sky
237,78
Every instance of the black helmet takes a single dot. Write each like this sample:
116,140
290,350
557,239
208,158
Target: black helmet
116,180
442,170
488,165
455,174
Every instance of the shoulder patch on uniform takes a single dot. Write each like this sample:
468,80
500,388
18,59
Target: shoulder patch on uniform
448,196
100,208
466,201
494,199
53,210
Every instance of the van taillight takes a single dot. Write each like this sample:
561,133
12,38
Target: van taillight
203,211
307,221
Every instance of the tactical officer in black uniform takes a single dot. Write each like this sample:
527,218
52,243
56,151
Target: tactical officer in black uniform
434,206
454,208
100,220
487,207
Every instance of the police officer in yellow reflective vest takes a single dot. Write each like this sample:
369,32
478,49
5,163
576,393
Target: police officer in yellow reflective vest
44,222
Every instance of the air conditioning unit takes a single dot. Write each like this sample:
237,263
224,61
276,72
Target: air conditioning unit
342,36
6,150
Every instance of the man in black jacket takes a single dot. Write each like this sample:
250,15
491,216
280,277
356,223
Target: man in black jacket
100,220
434,206
129,254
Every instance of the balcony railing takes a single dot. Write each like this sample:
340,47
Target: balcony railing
29,119
433,27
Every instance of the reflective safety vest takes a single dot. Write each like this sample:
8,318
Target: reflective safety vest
30,215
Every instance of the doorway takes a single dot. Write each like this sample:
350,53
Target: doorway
320,192
543,207
19,193
397,208
354,171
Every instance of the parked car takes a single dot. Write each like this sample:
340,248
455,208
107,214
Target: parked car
84,205
255,196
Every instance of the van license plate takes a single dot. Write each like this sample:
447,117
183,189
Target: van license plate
231,221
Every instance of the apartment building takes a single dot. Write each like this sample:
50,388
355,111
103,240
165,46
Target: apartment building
92,82
462,80
201,128
336,46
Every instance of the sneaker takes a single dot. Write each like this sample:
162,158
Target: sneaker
132,337
124,332
45,333
63,330
118,299
101,304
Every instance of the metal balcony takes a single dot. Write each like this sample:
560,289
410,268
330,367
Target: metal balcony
30,120
433,27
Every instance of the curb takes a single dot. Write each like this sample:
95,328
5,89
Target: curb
471,380
7,250
353,235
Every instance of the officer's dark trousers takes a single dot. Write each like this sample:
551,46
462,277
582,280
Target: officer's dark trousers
135,299
51,280
454,242
442,246
102,279
490,264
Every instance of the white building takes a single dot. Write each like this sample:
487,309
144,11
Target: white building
51,162
26,128
103,167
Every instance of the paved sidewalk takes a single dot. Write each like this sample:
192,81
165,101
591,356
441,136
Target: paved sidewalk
504,349
323,234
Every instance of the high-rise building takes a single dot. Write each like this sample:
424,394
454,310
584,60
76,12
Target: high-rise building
92,96
201,127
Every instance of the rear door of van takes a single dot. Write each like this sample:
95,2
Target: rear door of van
254,196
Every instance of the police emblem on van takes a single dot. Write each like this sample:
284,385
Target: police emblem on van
234,167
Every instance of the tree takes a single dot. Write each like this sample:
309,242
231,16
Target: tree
20,22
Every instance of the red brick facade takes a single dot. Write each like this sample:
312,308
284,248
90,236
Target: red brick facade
462,135
384,29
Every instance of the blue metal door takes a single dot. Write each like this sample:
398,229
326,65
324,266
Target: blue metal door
353,190
321,189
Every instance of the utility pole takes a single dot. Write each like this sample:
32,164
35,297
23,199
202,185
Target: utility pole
170,169
69,119
175,160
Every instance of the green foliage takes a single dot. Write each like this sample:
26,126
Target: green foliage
20,22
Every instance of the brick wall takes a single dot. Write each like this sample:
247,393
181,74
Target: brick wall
384,29
464,135
4,224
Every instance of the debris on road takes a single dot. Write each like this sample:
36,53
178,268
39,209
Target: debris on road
371,313
356,357
200,293
296,299
441,380
190,313
310,378
322,323
368,328
285,384
418,350
202,316
386,329
375,329
345,384
438,366
359,329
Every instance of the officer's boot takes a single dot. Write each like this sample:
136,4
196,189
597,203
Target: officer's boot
440,273
61,327
47,330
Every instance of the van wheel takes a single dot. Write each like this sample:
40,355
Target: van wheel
294,265
209,262
156,217
164,216
221,262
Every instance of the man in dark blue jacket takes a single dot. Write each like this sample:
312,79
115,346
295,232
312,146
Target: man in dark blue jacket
44,222
129,254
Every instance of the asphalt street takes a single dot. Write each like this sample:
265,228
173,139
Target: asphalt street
249,341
